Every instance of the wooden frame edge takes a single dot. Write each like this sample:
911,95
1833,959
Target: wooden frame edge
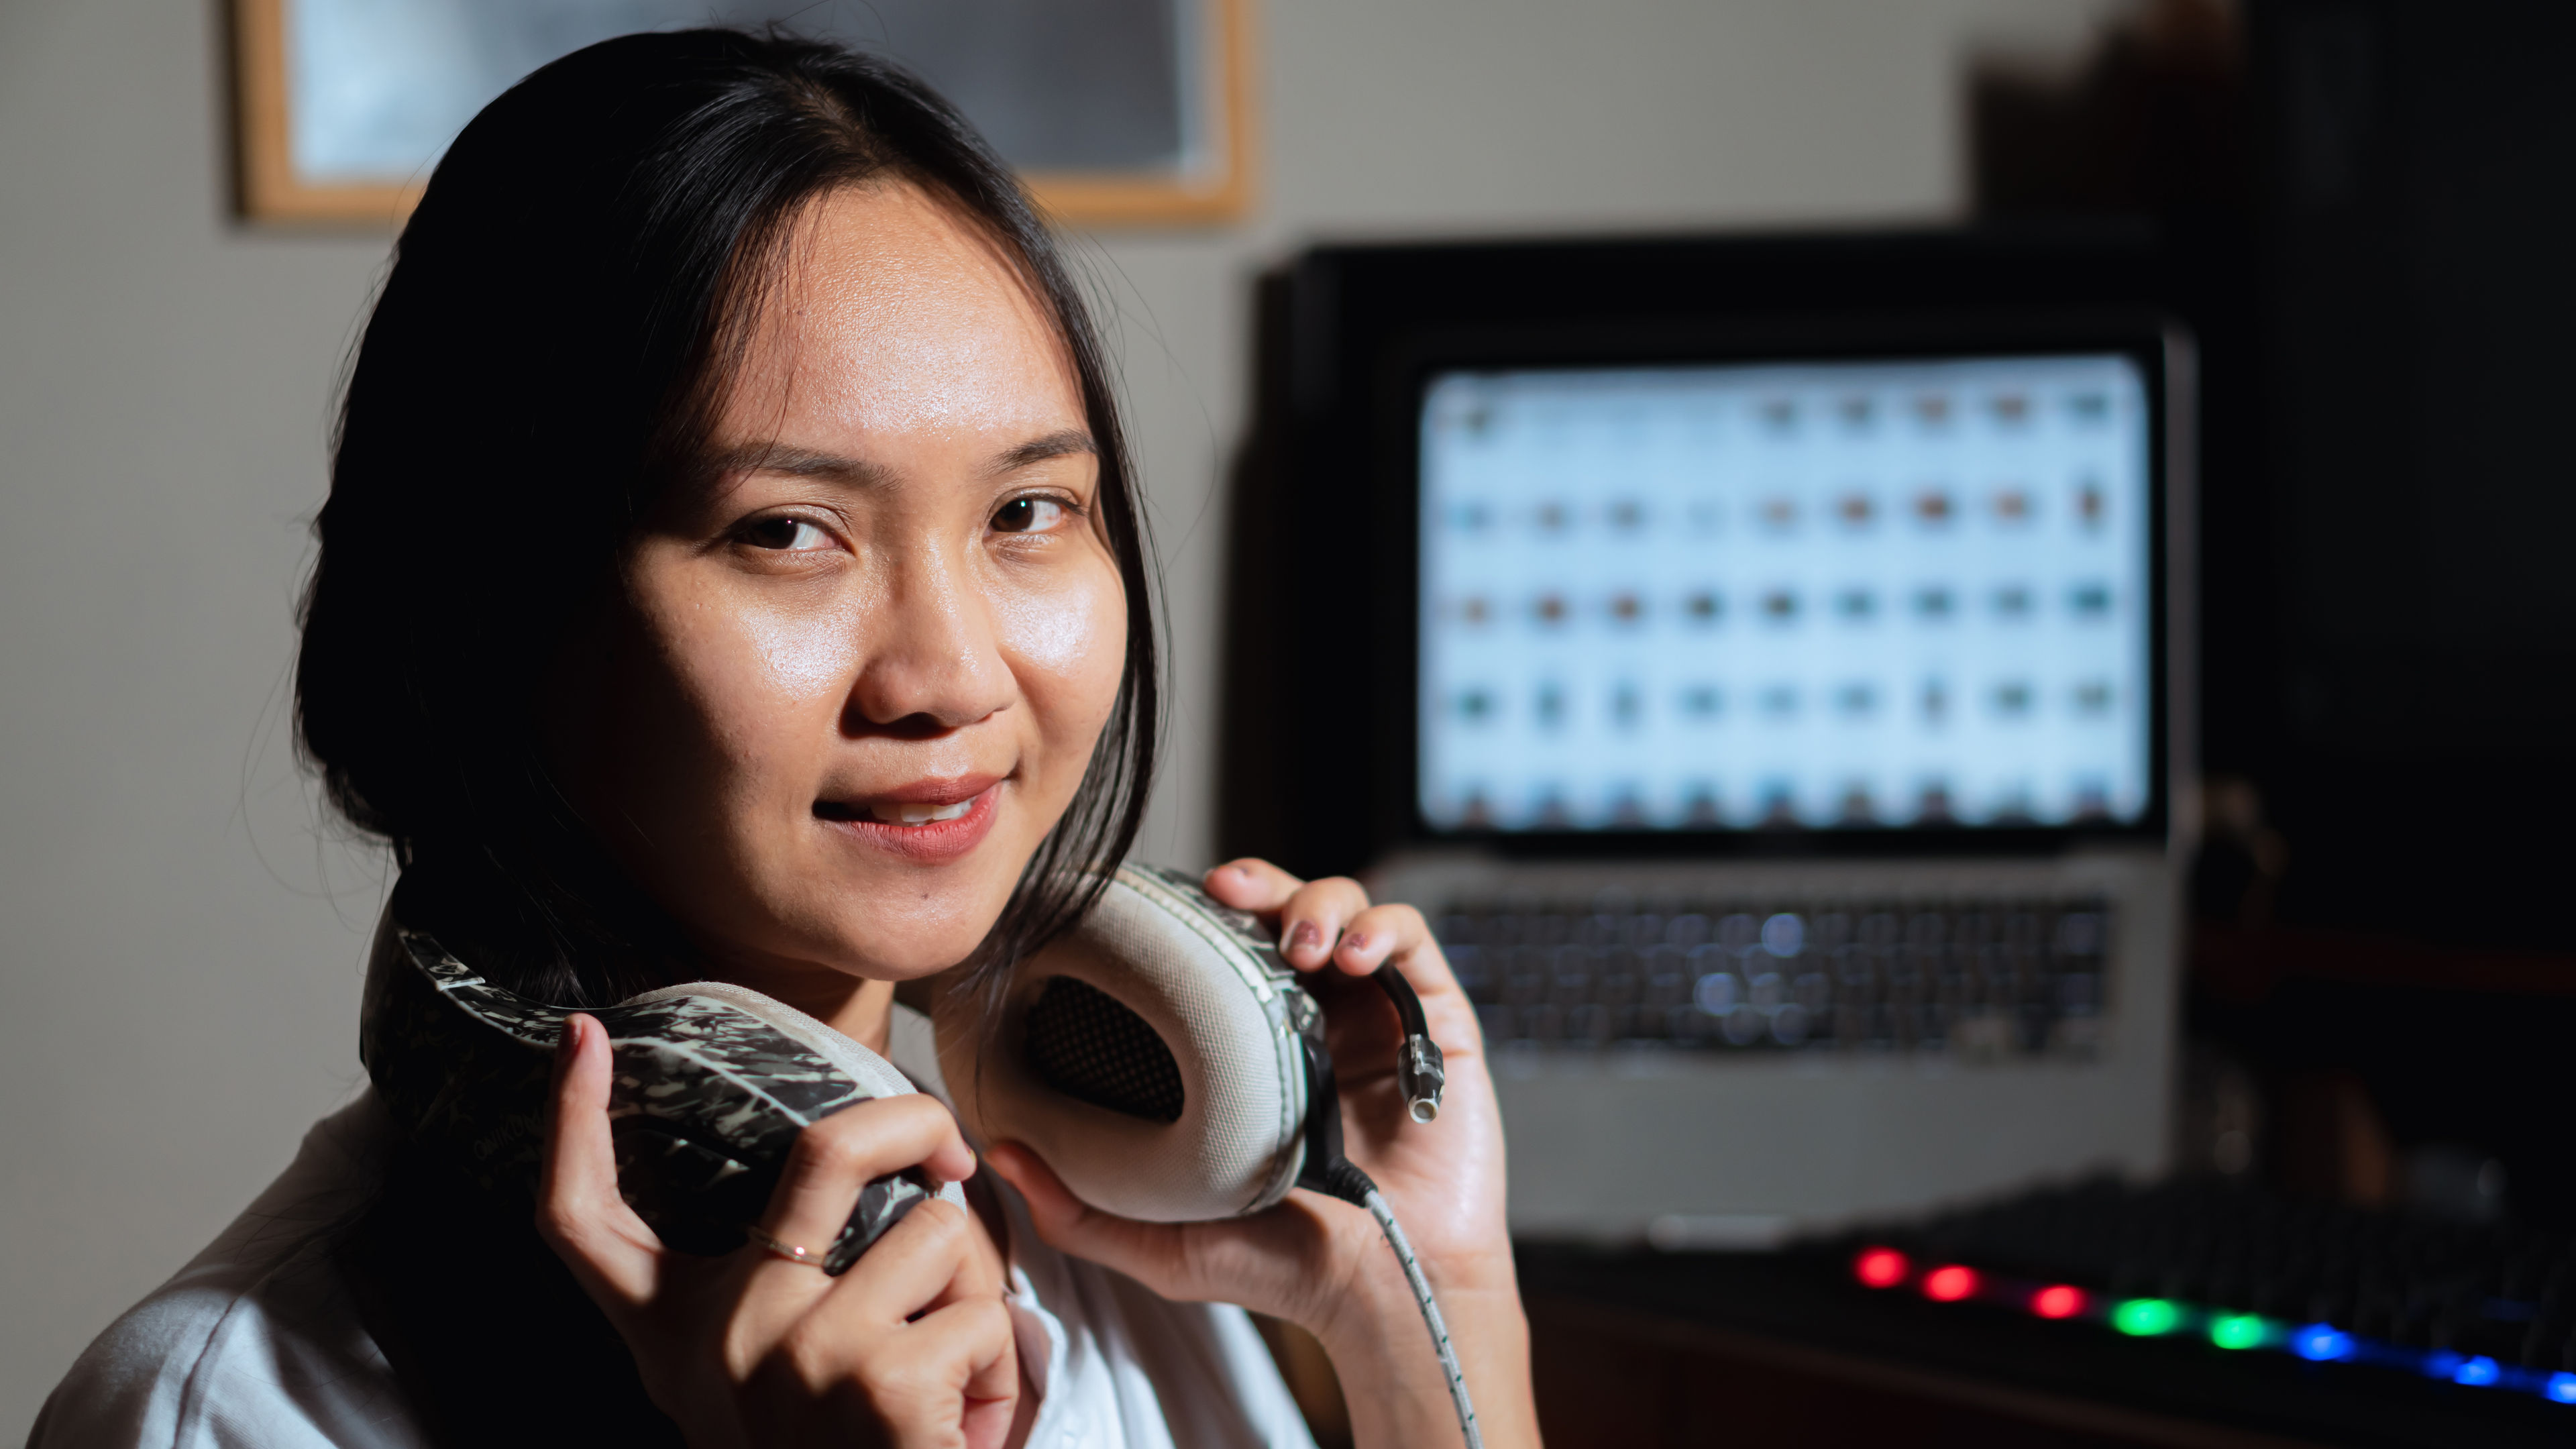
1115,200
267,191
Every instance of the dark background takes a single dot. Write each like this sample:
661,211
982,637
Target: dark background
2363,209
2385,963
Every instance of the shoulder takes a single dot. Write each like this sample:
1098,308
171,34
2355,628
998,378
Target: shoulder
257,1341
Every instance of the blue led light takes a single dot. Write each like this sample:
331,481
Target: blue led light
2318,1343
2227,1329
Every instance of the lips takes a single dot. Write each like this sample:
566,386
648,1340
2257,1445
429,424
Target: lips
928,822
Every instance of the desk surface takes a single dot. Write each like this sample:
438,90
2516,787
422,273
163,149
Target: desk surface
1715,1323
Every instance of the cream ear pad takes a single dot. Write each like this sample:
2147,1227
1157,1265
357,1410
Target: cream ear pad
1154,1056
1162,1058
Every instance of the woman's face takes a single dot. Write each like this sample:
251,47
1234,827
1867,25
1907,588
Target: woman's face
854,678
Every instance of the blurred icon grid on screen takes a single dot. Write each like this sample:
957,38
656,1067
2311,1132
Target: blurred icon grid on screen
1926,583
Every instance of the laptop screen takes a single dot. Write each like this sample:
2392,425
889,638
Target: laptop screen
1832,595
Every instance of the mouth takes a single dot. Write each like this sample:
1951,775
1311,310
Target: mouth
904,812
928,821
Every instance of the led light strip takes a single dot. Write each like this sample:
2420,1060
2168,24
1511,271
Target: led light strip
1886,1268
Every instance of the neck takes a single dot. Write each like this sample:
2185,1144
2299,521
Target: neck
867,1015
857,1008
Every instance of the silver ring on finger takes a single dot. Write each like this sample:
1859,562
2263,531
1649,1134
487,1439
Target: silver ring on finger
774,1247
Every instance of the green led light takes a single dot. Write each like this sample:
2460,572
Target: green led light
2145,1317
2239,1330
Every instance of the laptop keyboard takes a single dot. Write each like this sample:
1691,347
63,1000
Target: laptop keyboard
1974,979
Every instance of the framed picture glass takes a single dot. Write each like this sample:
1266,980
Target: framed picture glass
1118,112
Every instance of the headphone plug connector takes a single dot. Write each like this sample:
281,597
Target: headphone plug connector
1421,1075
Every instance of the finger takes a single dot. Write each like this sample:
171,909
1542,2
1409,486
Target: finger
925,1380
924,1262
1412,950
1187,1262
1393,934
986,1422
579,1212
1251,884
980,1269
1310,925
974,1342
834,1158
1146,1252
938,1380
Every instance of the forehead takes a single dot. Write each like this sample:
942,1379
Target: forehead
891,313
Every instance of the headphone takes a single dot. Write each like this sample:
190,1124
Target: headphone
1163,1060
1160,1057
710,1084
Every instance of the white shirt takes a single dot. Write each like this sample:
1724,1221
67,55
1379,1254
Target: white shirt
257,1342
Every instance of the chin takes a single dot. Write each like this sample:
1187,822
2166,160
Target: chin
865,919
877,966
925,941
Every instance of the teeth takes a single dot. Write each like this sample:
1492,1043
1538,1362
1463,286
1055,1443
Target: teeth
908,813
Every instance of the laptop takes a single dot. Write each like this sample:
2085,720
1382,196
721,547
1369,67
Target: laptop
1781,728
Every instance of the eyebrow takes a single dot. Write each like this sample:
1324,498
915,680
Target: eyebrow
1053,445
797,463
858,473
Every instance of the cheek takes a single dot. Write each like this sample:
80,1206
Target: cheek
802,656
759,675
1067,642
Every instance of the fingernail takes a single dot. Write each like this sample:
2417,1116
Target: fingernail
1357,941
1306,937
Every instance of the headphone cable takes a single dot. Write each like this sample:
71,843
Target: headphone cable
1348,1183
1328,1169
1403,1246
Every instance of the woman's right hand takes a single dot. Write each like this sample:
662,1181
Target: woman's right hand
911,1347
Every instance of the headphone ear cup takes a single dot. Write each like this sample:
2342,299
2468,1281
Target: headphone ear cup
1151,1057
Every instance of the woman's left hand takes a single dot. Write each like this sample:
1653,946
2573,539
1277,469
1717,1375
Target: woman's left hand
1318,1262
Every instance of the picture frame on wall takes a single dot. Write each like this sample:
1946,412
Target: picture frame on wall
1116,112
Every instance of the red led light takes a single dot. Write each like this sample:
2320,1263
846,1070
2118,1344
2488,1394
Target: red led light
1950,1284
2057,1301
1881,1267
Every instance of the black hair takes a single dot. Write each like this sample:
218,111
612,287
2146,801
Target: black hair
544,358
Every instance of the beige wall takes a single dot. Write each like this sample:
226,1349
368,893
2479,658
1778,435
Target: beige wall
179,933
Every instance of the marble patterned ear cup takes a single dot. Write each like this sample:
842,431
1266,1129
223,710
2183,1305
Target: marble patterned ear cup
695,1198
712,1084
698,1200
882,1204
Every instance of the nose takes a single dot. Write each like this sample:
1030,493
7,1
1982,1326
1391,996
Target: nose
934,660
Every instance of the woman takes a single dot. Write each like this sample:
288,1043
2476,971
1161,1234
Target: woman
732,569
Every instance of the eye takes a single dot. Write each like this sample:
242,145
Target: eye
1028,515
783,533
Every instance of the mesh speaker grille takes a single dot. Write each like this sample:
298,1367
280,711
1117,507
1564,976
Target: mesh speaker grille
1088,1045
